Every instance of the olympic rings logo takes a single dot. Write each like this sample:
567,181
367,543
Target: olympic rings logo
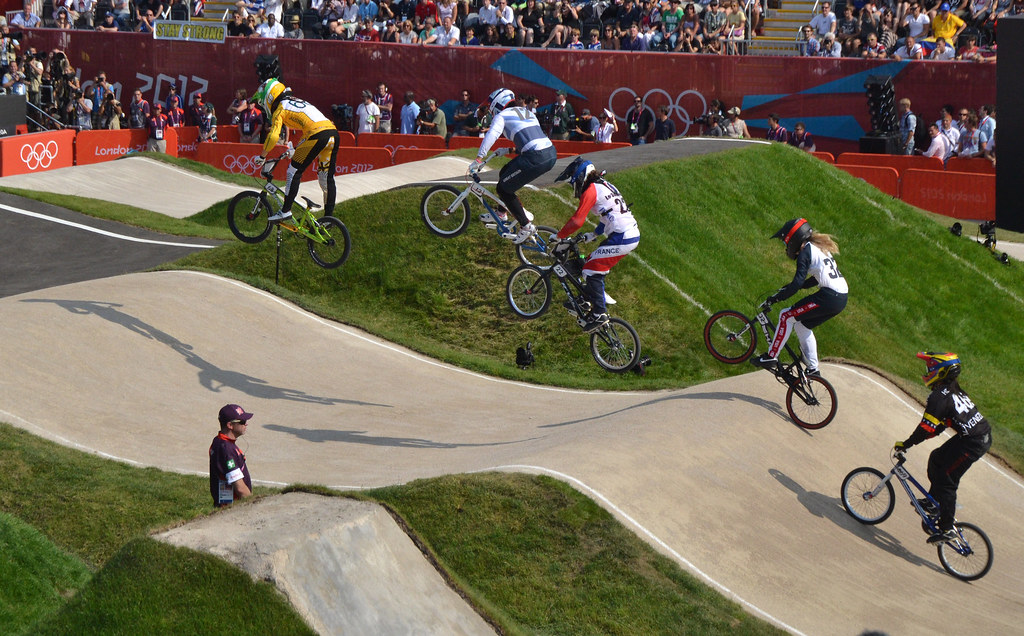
242,164
39,155
676,107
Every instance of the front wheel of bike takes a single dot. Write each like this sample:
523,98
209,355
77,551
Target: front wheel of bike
615,346
536,249
860,503
333,248
970,557
812,405
440,213
730,336
528,292
247,217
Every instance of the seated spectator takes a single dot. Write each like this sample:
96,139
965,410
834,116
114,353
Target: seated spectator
910,50
574,41
427,10
145,24
947,25
594,44
63,21
847,32
238,27
970,48
830,48
487,14
825,22
368,32
26,19
271,28
507,37
567,19
634,41
490,36
109,23
609,42
349,22
445,35
82,13
887,32
407,35
531,24
735,28
446,8
294,30
801,138
808,43
873,49
390,33
941,51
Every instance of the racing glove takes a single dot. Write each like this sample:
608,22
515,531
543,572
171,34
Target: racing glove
476,166
259,161
900,446
590,237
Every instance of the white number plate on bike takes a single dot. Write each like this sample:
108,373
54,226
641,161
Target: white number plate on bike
271,188
560,271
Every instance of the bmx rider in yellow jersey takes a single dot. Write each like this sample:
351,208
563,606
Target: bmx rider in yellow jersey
319,142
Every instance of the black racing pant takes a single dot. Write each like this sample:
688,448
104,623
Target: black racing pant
520,171
947,464
304,158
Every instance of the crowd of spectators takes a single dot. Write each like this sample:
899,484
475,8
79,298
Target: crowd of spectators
939,30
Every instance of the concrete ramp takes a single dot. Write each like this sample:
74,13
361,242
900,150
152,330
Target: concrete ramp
345,565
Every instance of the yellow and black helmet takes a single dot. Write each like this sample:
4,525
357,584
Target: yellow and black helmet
268,93
942,367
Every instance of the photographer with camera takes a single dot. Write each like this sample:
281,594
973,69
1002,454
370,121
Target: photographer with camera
110,113
34,75
14,80
79,109
584,127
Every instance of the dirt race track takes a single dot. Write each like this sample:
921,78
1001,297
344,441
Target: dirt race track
716,476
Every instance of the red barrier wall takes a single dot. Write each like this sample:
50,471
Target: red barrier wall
405,155
884,178
826,93
228,134
961,195
901,163
94,146
237,158
394,141
36,152
975,164
188,141
824,156
583,147
352,160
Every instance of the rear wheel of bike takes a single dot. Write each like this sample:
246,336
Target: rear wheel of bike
857,499
534,250
615,346
730,336
334,251
528,292
247,217
441,217
970,558
813,404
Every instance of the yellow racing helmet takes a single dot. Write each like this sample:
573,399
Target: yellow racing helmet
942,367
267,94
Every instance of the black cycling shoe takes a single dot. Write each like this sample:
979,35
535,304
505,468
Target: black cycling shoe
943,536
812,373
594,323
928,506
765,361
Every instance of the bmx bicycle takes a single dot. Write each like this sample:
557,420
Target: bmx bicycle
445,211
327,237
731,338
869,497
615,345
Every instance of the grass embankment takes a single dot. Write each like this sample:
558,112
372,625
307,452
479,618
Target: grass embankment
536,555
705,224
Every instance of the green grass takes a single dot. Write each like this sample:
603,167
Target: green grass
535,555
36,577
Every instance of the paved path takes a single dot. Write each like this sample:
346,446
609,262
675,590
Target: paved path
714,475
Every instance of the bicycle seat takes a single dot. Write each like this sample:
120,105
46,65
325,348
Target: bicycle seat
311,205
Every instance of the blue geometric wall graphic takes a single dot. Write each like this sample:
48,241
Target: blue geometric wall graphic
838,127
518,65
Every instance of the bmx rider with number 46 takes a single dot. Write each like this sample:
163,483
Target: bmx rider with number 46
948,405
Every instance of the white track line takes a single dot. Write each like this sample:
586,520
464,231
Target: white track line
99,231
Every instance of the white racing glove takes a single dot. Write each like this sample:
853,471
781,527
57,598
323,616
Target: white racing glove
259,161
590,237
476,166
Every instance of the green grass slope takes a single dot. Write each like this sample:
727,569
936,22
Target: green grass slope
36,577
536,555
705,223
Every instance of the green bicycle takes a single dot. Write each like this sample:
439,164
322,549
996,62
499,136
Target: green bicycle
327,237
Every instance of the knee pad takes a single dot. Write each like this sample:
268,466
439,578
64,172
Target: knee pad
290,174
323,176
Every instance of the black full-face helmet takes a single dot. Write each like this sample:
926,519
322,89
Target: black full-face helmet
794,234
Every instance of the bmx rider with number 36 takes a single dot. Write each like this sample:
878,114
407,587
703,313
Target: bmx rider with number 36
815,266
948,405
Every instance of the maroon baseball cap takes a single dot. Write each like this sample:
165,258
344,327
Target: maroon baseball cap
232,412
